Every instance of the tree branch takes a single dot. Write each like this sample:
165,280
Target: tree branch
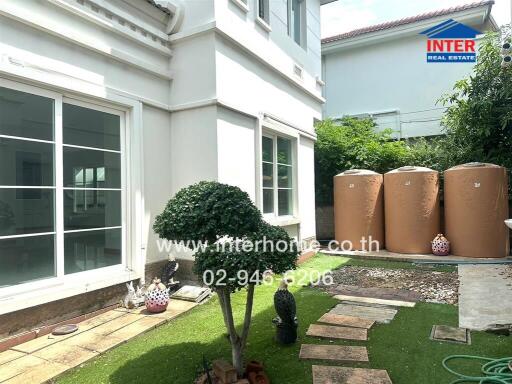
228,316
248,314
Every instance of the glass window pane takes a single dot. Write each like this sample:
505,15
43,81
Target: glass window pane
91,209
25,115
24,211
91,250
89,128
85,168
25,259
284,176
268,201
25,163
268,175
284,151
284,202
268,149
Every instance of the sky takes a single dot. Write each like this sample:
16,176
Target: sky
346,15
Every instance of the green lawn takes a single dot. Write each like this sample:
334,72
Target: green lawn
171,353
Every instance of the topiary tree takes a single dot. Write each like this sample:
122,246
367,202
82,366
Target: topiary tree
240,247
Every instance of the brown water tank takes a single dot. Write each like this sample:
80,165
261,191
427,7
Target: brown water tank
411,196
476,203
359,209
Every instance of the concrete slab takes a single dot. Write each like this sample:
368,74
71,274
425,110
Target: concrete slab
378,314
94,341
18,366
175,308
371,300
41,373
393,256
338,353
10,355
121,322
70,355
342,375
346,321
450,334
140,326
378,293
485,294
334,332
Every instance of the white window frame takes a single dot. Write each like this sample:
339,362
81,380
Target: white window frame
272,216
62,285
264,21
303,16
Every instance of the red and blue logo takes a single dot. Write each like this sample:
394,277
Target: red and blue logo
451,42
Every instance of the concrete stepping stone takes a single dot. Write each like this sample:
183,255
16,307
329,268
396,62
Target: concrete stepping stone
346,321
342,375
450,334
338,353
378,314
372,300
378,293
334,332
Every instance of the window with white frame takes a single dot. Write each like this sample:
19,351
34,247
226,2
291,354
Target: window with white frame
277,175
263,10
61,167
297,20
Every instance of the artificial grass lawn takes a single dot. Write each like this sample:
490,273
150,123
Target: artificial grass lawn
172,353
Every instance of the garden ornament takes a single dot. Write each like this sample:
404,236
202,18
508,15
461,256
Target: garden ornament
133,298
286,309
440,245
157,297
168,273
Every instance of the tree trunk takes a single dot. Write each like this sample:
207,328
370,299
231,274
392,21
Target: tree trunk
237,342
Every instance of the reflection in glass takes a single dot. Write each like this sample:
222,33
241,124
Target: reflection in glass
91,250
268,175
25,115
19,215
284,202
268,200
85,168
85,209
25,163
89,128
284,176
267,149
284,151
26,258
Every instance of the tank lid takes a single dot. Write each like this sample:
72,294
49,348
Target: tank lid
350,172
411,168
474,164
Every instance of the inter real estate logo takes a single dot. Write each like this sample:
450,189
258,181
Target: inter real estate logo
451,42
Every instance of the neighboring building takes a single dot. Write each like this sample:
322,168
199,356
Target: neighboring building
109,107
382,71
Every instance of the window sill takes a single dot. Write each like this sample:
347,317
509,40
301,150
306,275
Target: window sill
283,221
241,4
263,24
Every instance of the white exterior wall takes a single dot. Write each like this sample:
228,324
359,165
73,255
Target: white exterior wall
195,101
388,72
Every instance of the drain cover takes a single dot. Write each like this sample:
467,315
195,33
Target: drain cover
450,334
65,329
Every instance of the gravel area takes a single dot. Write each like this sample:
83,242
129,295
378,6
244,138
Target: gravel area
433,286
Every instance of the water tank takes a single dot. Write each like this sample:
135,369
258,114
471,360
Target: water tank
411,205
476,203
359,210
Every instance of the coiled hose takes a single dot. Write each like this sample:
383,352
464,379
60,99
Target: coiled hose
494,371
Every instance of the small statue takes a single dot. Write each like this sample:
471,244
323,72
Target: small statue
286,309
157,297
440,245
133,298
168,273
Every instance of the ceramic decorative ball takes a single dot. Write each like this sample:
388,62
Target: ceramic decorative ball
440,245
157,297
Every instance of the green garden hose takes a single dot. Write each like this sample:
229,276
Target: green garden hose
494,371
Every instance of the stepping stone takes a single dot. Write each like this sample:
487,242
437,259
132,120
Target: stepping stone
333,332
378,293
372,300
378,314
338,353
346,321
450,334
342,375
